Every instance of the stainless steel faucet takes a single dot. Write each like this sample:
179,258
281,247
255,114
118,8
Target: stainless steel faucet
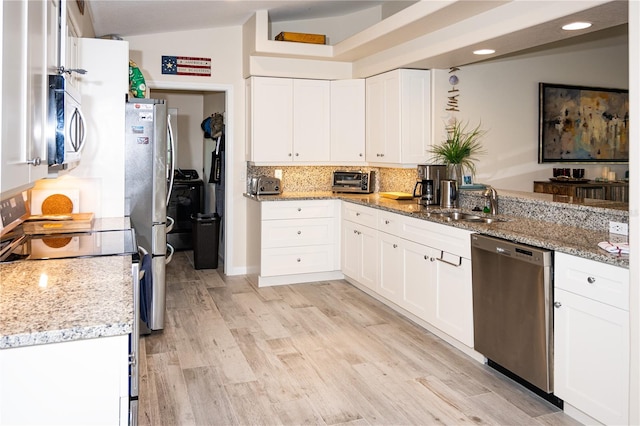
492,195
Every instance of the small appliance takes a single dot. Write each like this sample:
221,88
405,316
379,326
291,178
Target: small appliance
66,132
265,185
428,185
449,194
358,181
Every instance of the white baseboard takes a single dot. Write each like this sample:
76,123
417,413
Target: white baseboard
299,278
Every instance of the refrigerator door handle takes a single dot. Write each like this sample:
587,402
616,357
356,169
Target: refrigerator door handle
170,251
170,222
173,158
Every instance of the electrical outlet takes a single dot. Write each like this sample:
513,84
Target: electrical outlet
278,173
618,228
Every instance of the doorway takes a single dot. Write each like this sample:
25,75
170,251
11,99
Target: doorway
194,152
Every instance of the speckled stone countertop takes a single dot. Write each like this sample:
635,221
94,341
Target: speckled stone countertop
553,235
82,298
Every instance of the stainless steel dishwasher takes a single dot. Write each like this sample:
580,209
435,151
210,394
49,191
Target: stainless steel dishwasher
512,308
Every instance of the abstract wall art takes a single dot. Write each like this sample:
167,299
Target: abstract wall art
583,124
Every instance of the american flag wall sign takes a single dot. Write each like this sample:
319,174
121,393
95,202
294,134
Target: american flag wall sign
186,65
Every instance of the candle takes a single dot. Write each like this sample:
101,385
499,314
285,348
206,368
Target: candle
612,176
605,172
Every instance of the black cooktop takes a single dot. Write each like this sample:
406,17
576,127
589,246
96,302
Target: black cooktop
79,244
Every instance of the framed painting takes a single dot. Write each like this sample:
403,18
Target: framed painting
583,124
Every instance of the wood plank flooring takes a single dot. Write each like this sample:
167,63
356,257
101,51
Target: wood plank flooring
322,353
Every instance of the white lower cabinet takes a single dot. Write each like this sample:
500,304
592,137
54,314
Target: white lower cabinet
82,382
297,239
359,253
451,291
422,267
591,347
391,269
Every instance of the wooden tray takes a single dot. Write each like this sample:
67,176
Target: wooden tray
78,222
397,195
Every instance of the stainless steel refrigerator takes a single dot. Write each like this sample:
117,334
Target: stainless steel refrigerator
148,181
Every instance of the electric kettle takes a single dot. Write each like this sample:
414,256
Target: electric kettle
448,194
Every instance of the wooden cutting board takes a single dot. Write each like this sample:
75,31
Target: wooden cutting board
51,225
397,195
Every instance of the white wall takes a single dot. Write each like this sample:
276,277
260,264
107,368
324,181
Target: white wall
335,28
503,96
190,114
224,47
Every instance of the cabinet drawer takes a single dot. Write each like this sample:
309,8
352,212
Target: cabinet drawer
595,280
298,260
391,223
441,237
362,215
304,209
298,232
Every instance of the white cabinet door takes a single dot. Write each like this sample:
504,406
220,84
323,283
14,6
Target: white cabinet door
452,297
359,253
591,357
311,120
398,117
24,94
350,255
348,121
391,272
418,276
80,382
271,115
383,118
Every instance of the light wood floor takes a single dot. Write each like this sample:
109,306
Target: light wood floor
322,353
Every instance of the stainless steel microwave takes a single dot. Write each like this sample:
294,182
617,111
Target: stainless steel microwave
66,126
356,181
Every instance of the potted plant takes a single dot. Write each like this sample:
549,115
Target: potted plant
459,150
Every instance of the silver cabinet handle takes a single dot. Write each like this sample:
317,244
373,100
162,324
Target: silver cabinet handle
289,154
360,154
299,232
386,222
357,214
299,260
591,280
441,259
35,161
297,155
395,246
299,209
557,304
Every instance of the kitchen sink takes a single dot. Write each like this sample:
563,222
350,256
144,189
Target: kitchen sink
464,217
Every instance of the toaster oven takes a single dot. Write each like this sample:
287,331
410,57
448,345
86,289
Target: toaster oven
358,181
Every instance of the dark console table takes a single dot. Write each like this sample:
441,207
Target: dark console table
613,191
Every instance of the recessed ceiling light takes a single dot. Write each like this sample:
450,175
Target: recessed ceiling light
576,26
484,52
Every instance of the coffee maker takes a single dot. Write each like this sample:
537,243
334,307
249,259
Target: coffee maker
427,187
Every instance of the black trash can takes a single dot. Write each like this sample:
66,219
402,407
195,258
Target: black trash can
206,234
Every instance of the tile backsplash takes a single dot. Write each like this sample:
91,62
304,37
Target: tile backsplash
318,178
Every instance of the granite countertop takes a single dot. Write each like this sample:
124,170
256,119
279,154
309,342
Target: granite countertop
563,238
82,298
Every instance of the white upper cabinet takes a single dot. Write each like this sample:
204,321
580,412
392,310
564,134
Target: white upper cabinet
288,119
24,93
398,117
348,121
311,120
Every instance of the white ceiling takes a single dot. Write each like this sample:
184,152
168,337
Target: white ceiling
133,17
449,21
